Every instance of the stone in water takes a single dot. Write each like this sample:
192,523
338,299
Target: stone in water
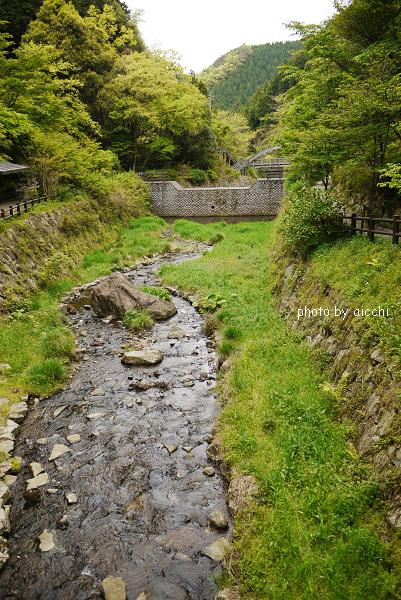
58,450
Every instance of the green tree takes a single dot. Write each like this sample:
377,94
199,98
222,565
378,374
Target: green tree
151,105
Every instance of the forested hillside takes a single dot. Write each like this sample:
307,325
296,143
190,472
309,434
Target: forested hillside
336,106
81,97
236,76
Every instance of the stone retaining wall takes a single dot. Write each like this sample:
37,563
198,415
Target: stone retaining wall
264,198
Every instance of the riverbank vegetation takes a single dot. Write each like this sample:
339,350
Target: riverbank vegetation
318,529
34,339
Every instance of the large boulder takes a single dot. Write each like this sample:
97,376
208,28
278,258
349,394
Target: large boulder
116,295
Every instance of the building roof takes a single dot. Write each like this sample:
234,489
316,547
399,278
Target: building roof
6,168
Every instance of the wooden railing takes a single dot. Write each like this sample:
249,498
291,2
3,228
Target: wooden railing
15,210
372,226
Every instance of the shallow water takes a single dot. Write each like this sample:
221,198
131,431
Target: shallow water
141,512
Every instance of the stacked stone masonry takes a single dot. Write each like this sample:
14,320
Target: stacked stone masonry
170,199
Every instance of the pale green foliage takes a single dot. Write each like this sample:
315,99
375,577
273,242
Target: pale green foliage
232,132
138,320
151,103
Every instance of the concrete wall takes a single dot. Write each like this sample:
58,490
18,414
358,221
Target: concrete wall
172,200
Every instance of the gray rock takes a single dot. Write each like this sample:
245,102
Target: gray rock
6,446
59,410
116,295
242,492
46,541
18,411
38,481
4,522
114,588
377,356
209,471
74,438
72,498
4,492
4,552
58,450
142,357
98,392
218,519
217,549
36,468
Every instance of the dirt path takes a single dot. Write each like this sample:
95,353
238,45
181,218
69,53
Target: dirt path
142,500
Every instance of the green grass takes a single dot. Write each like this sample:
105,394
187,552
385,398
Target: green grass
35,341
365,274
159,292
190,230
138,320
318,531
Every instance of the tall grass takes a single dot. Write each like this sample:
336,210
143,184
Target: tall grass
318,531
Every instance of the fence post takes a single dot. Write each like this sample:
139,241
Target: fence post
396,229
353,224
19,209
11,210
25,206
371,229
1,213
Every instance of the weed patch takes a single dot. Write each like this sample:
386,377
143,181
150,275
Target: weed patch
138,320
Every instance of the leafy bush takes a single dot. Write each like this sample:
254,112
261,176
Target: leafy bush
160,292
310,219
210,303
137,320
198,176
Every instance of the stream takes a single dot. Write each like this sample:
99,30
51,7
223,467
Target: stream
130,497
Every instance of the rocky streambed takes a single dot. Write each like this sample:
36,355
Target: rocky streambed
121,488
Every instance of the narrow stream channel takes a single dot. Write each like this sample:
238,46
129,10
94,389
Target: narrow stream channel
136,465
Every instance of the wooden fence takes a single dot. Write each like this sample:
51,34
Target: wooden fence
375,226
15,210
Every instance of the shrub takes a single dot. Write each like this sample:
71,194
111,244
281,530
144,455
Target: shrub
44,376
232,333
198,176
160,292
311,218
137,320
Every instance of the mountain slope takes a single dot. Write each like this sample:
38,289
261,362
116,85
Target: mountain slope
235,77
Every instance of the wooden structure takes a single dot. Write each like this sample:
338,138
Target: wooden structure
373,226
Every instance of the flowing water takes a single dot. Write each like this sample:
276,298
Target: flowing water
141,509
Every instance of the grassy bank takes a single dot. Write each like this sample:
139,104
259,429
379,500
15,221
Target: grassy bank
35,342
318,530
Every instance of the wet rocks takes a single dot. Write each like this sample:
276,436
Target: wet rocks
142,357
116,295
217,549
38,481
18,411
74,438
72,498
114,588
36,468
58,450
4,522
46,541
218,519
209,471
